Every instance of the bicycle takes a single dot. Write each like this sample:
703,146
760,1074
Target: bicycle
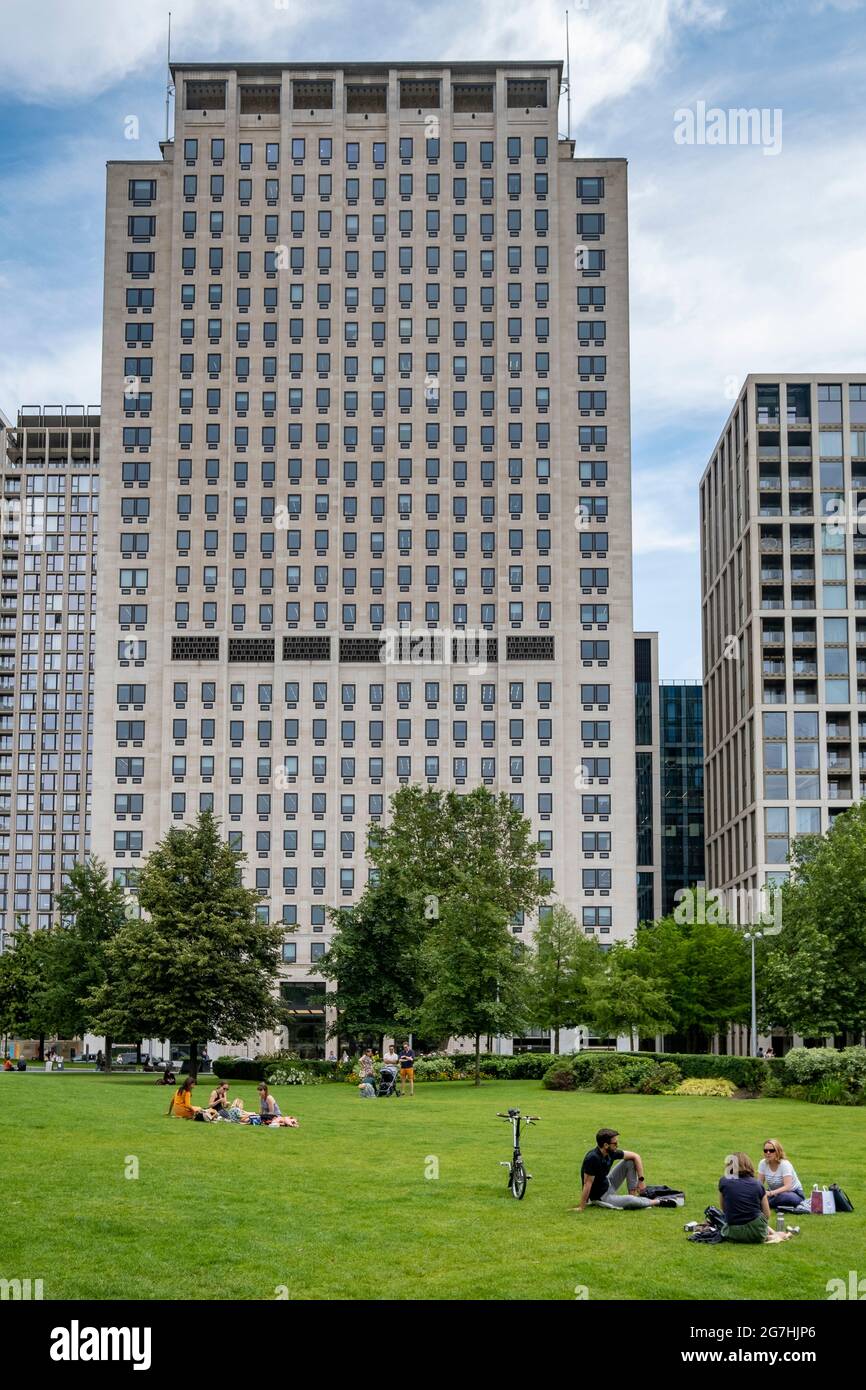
517,1174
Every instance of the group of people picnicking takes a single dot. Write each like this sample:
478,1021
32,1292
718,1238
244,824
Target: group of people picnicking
748,1198
219,1107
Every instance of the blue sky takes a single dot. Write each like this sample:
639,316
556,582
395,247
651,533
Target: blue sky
740,260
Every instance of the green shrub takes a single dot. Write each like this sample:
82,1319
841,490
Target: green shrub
772,1089
238,1069
832,1090
805,1066
284,1074
559,1077
661,1077
830,1077
611,1081
706,1086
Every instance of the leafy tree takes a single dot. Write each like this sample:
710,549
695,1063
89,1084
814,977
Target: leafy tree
24,973
813,974
475,972
199,964
91,909
704,968
562,960
437,846
623,1001
437,841
375,962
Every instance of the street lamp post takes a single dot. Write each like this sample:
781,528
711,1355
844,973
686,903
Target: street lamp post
752,937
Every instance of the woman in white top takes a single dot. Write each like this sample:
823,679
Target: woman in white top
779,1177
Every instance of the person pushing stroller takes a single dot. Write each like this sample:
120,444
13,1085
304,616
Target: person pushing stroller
388,1074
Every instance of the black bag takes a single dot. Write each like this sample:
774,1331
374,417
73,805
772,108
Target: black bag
675,1193
715,1217
706,1235
843,1202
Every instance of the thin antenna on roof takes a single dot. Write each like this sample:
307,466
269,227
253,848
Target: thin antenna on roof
568,74
169,90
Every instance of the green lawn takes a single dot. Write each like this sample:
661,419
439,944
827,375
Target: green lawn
342,1207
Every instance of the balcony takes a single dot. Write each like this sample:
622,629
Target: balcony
802,545
805,668
771,483
773,668
771,545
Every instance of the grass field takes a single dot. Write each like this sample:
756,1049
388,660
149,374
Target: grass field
344,1207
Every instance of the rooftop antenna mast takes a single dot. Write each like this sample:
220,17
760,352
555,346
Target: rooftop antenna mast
567,75
169,90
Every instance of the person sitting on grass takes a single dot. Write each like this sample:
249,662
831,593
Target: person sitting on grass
784,1189
601,1179
219,1096
745,1205
181,1105
268,1108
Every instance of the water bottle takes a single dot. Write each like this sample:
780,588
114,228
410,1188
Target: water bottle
780,1221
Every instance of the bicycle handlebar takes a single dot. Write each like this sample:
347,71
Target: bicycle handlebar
527,1119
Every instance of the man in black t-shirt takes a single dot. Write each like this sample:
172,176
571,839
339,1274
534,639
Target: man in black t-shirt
605,1168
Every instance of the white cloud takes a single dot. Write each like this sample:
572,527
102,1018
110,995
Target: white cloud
664,509
65,49
70,48
57,367
742,264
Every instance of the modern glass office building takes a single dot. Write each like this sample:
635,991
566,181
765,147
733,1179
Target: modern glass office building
783,555
49,482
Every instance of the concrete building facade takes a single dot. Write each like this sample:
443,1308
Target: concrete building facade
368,515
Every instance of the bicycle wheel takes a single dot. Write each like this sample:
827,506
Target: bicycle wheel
518,1180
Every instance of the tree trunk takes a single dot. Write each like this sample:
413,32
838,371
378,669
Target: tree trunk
138,1053
477,1059
41,1053
556,1041
193,1060
108,1054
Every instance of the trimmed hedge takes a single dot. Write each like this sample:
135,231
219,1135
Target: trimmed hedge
747,1073
238,1069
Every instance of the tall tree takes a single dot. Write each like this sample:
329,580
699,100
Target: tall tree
198,964
623,1001
561,961
91,910
24,974
813,974
704,968
437,847
477,981
436,841
374,960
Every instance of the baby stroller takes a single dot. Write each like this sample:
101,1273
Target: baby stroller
387,1082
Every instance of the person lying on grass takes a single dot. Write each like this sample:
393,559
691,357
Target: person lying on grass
237,1115
181,1106
745,1205
601,1179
